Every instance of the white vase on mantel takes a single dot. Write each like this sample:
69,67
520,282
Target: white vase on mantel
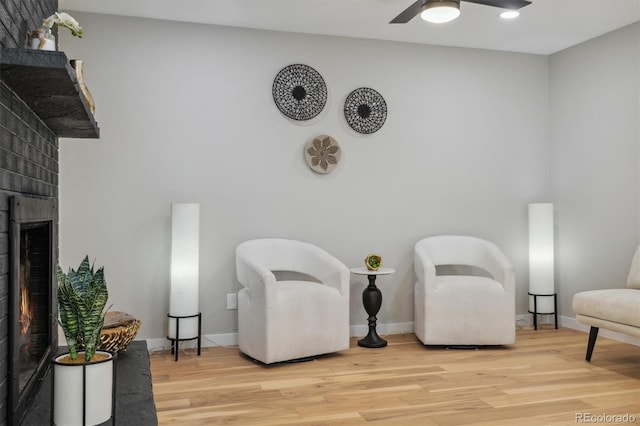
42,40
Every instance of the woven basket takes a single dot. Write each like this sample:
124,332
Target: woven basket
119,330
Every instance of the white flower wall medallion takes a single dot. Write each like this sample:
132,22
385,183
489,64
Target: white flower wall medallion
322,154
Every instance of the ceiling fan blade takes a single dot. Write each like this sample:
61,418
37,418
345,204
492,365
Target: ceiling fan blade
504,4
409,13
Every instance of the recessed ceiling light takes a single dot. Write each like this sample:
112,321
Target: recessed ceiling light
509,14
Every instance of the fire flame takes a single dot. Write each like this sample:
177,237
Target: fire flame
25,312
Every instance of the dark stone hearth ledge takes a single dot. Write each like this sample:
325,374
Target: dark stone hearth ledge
134,393
47,83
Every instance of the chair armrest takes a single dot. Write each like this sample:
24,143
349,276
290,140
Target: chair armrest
328,269
424,266
338,279
485,255
500,267
286,255
259,280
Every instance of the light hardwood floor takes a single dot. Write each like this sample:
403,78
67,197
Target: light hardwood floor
542,380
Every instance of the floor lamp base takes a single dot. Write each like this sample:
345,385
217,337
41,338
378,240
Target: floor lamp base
177,339
535,308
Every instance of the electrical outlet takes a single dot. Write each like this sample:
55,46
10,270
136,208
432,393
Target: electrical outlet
232,301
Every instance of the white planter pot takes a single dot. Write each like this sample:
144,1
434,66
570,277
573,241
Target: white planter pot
68,391
48,44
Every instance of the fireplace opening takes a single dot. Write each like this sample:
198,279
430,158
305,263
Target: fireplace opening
32,307
34,294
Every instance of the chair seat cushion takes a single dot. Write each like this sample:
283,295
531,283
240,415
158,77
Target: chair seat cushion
305,308
616,305
468,310
307,319
290,291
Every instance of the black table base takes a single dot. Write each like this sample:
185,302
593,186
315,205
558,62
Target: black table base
372,300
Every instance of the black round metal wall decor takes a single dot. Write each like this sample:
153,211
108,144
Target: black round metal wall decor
365,110
299,92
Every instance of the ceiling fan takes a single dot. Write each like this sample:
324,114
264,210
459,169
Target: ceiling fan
439,11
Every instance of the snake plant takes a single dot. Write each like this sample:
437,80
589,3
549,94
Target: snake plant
82,296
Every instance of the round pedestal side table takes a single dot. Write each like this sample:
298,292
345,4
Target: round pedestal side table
372,300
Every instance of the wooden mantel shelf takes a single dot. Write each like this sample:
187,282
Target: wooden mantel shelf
47,83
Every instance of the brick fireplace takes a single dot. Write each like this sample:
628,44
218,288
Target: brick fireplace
28,226
28,172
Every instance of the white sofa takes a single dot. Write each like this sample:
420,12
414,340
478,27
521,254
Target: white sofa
612,309
463,309
290,319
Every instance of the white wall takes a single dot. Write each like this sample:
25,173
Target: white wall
186,114
595,170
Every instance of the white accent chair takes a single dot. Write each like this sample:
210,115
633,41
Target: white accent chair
477,308
615,309
290,319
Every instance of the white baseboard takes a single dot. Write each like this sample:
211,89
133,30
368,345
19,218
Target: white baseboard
382,329
527,319
231,339
207,341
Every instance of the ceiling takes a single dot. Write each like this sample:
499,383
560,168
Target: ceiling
544,27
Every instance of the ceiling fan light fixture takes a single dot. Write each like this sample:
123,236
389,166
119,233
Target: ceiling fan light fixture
439,12
509,14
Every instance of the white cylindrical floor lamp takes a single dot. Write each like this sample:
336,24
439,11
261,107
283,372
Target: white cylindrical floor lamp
185,320
542,295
